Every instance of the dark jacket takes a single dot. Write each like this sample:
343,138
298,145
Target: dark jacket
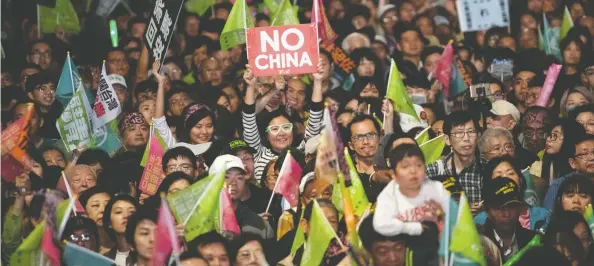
523,235
130,260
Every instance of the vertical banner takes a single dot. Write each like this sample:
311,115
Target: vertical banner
152,176
482,15
344,65
107,106
161,25
283,50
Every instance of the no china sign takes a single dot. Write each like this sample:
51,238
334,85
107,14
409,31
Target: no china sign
283,50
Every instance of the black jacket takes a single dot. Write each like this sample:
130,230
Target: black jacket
523,235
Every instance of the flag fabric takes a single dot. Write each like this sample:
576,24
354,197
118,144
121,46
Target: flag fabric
107,107
165,240
285,15
459,80
433,149
299,239
182,202
398,94
272,6
49,248
204,216
228,219
14,144
349,217
288,180
105,7
325,31
549,39
423,136
589,216
234,31
356,189
327,156
75,255
156,133
198,6
566,24
530,195
69,82
63,15
152,175
465,239
450,219
443,69
319,237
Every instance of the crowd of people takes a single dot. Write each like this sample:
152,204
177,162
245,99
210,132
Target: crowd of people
525,168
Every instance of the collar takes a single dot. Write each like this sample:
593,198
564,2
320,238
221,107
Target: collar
512,247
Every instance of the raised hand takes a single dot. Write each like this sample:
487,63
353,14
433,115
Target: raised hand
387,108
248,76
160,78
318,76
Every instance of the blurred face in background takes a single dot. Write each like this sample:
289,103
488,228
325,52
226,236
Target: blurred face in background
407,12
192,26
572,54
41,55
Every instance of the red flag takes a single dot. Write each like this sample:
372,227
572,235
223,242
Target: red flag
15,139
443,69
152,176
228,220
49,248
288,180
325,31
166,239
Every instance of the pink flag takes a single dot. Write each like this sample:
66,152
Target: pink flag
65,187
153,170
443,69
49,248
547,88
228,219
166,239
325,31
288,180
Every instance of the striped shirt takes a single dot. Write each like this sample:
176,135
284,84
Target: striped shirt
264,154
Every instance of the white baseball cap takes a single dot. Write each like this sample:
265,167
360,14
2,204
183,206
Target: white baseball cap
224,163
117,79
502,107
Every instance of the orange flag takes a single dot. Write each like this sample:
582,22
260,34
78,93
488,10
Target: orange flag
325,31
15,139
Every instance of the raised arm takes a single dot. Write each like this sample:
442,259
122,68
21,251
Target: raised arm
388,110
316,110
251,135
143,62
159,116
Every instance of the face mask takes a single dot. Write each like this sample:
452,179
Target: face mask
571,108
418,98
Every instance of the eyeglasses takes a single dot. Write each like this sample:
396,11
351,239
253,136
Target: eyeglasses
459,135
507,148
585,156
276,129
82,238
589,123
363,137
554,137
532,133
182,167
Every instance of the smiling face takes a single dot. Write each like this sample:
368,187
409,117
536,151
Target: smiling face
119,214
280,133
147,109
203,131
364,138
44,94
235,181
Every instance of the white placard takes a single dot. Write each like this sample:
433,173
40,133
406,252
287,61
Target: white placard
475,15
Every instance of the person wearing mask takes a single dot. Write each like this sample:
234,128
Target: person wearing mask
461,134
503,201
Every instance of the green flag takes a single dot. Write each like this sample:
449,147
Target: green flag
62,15
530,195
272,6
204,216
423,136
285,15
398,94
238,21
299,239
466,241
319,237
566,25
69,82
198,6
433,149
589,216
356,189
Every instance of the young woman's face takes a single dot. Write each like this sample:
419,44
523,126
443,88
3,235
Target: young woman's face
554,141
147,109
575,99
280,133
366,68
203,131
369,91
572,54
120,212
144,238
573,201
54,158
234,99
96,206
224,102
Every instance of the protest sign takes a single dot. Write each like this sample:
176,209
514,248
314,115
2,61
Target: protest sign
475,15
152,176
283,50
182,202
161,25
107,106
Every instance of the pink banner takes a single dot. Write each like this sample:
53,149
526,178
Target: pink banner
166,240
289,178
547,88
443,69
228,219
152,176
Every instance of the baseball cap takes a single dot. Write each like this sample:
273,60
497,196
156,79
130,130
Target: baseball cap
385,8
449,183
237,145
502,107
224,163
117,79
502,191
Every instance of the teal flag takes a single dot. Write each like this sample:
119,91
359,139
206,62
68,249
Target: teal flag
530,195
69,82
549,42
457,85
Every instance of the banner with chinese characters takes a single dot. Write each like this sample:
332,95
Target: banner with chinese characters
161,26
152,176
107,106
475,15
343,64
15,139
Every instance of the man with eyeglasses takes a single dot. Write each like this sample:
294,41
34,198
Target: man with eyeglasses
40,54
535,124
181,159
496,142
363,141
581,160
461,134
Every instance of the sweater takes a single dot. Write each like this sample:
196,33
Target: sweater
403,215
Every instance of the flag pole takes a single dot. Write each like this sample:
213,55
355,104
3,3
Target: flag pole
65,218
68,190
277,180
38,23
70,70
244,7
